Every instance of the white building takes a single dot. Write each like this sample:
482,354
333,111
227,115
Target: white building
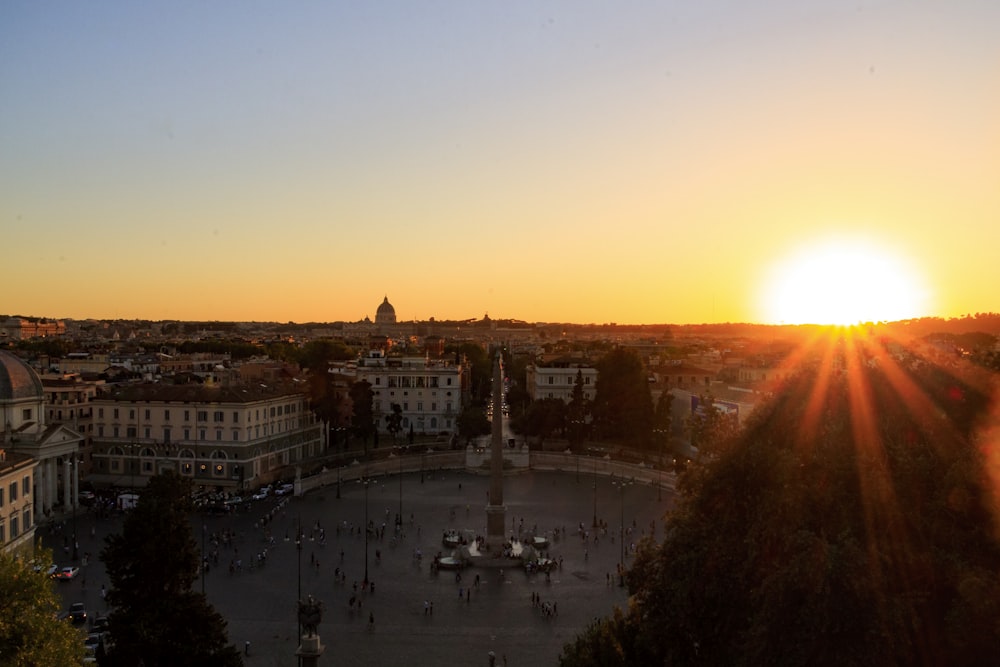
431,392
557,381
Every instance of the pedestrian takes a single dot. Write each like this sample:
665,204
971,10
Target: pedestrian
246,647
468,595
426,607
371,620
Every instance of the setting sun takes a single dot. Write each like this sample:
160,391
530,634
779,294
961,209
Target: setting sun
842,282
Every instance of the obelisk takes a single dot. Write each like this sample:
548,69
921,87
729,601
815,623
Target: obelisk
495,511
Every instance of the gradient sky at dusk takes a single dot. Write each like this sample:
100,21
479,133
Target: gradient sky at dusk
631,162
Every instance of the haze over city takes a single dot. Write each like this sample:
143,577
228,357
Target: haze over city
556,161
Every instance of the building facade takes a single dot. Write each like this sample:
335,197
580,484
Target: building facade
431,392
558,380
17,520
231,438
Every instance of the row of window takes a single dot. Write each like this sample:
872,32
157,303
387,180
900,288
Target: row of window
25,485
218,416
570,379
167,434
420,406
18,521
409,381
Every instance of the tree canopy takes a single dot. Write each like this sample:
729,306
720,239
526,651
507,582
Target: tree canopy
851,522
156,618
31,632
623,405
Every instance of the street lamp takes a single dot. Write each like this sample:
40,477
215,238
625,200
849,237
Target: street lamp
72,466
298,548
621,484
661,436
365,481
595,494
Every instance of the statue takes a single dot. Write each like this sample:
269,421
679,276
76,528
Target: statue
310,614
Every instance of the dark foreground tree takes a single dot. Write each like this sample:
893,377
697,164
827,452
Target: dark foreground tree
157,620
623,405
852,522
31,631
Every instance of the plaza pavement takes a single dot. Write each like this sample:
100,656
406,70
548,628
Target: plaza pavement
260,604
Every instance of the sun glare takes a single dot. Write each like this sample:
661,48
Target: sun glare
841,282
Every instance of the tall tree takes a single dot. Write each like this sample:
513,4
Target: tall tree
31,632
623,405
577,412
662,423
394,421
851,522
157,619
363,415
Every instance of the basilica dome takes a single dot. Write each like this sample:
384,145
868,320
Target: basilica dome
385,314
17,379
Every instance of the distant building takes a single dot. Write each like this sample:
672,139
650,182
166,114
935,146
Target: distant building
431,392
23,328
17,523
385,314
558,377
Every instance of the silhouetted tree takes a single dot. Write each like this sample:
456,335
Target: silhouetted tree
157,619
623,405
851,522
363,416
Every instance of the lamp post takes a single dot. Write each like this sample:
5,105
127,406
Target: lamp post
594,525
298,548
621,484
661,436
365,481
204,529
72,466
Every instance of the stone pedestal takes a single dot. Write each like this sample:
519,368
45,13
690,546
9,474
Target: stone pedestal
310,649
495,524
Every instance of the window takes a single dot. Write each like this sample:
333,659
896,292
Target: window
166,415
3,532
218,434
236,417
131,413
145,414
552,380
26,486
13,491
13,526
201,434
130,432
187,415
26,518
114,413
218,416
115,429
26,416
203,415
1,496
146,431
166,436
236,435
187,469
100,413
420,406
187,434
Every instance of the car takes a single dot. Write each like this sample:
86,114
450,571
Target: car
260,495
100,624
285,490
92,641
77,613
67,573
49,570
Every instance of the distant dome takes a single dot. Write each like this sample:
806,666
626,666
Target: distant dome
17,379
385,314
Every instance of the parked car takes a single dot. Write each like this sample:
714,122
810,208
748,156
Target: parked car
50,569
78,613
261,494
92,641
100,624
67,573
285,490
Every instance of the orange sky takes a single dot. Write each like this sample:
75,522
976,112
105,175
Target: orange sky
628,163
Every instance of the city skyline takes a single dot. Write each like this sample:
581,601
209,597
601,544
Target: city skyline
559,162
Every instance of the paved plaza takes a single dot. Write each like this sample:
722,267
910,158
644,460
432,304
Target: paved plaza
461,622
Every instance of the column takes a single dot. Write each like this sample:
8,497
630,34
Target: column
67,483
